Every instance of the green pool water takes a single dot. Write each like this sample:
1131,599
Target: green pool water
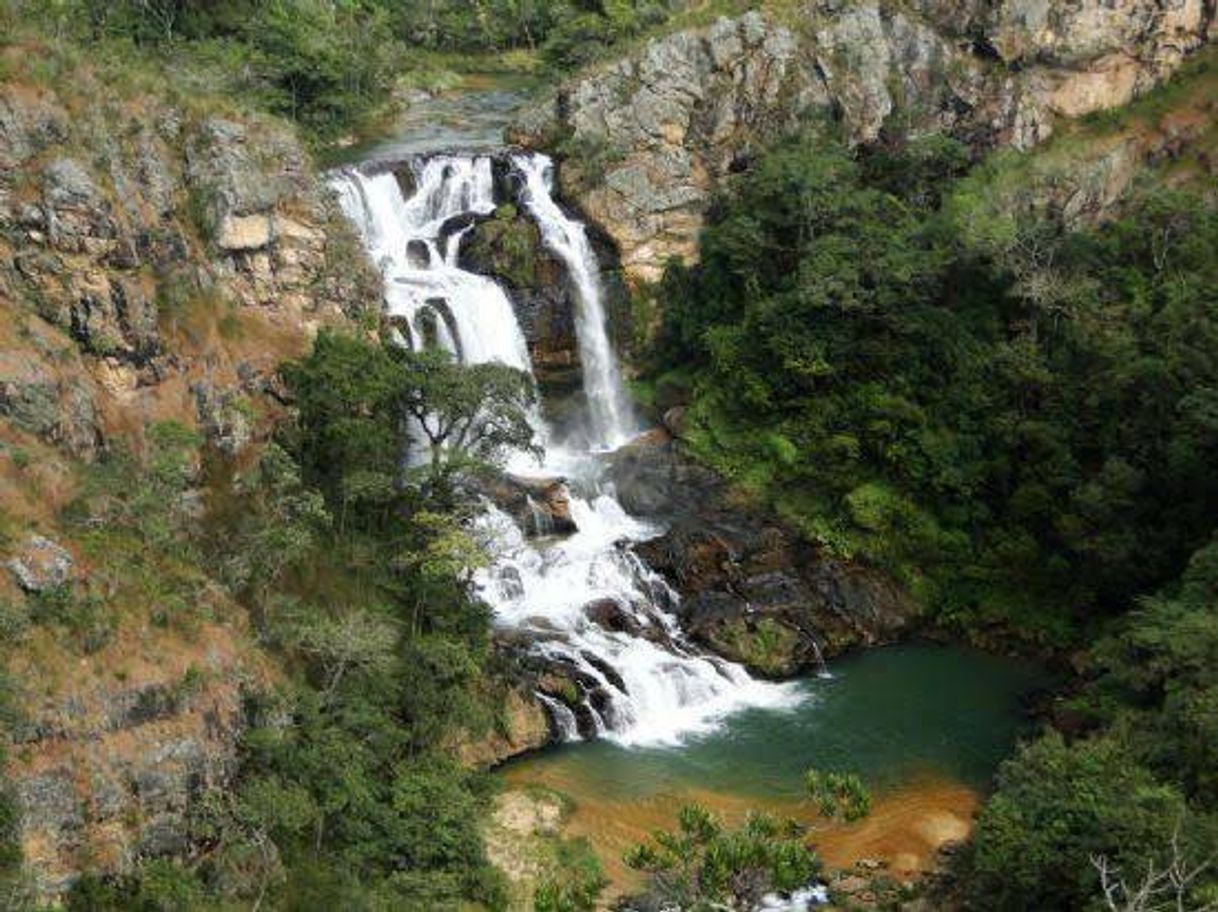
893,715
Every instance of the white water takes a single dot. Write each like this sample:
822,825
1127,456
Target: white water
650,688
404,237
611,422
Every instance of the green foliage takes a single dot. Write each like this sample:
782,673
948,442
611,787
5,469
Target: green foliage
82,615
352,396
702,866
1160,670
1056,807
1006,415
328,65
579,883
162,886
838,794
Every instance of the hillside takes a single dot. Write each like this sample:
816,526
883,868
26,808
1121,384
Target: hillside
919,300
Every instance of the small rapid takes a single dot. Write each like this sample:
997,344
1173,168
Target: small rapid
641,682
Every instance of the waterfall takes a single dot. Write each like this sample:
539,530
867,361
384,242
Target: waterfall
610,421
414,244
587,604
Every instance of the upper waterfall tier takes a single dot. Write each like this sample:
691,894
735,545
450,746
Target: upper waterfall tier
610,419
595,614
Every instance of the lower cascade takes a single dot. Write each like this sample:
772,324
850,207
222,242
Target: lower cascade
588,608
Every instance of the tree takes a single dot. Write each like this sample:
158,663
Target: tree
343,642
469,414
279,523
838,794
1056,806
1162,889
359,402
702,867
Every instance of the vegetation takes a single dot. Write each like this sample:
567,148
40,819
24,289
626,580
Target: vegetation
1009,415
838,794
331,66
702,865
356,574
1012,415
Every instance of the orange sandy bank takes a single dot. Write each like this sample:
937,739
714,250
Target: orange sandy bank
905,828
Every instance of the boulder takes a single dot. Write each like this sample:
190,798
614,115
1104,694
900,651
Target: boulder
607,614
244,232
41,565
539,506
524,726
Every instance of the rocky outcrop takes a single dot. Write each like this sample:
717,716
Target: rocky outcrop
106,772
752,589
539,506
157,263
522,726
509,247
41,565
669,122
131,234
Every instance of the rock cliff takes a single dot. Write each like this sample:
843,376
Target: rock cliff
751,588
158,258
667,123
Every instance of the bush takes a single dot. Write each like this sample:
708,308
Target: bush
1056,806
701,865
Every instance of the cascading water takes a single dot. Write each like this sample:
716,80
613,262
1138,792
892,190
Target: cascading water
642,681
415,244
610,417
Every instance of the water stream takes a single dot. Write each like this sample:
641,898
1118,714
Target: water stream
647,688
923,725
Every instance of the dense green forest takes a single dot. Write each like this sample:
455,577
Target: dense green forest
1017,419
1015,416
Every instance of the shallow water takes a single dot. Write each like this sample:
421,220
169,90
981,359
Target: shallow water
892,715
924,725
471,117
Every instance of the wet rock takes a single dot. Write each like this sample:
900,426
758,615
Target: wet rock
751,588
609,615
652,480
41,565
539,506
509,247
608,671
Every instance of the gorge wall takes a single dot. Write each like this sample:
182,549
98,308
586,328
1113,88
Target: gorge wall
158,259
653,133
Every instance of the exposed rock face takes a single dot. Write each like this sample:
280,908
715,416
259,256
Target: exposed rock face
154,265
540,506
686,110
522,726
751,589
119,229
509,247
106,773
